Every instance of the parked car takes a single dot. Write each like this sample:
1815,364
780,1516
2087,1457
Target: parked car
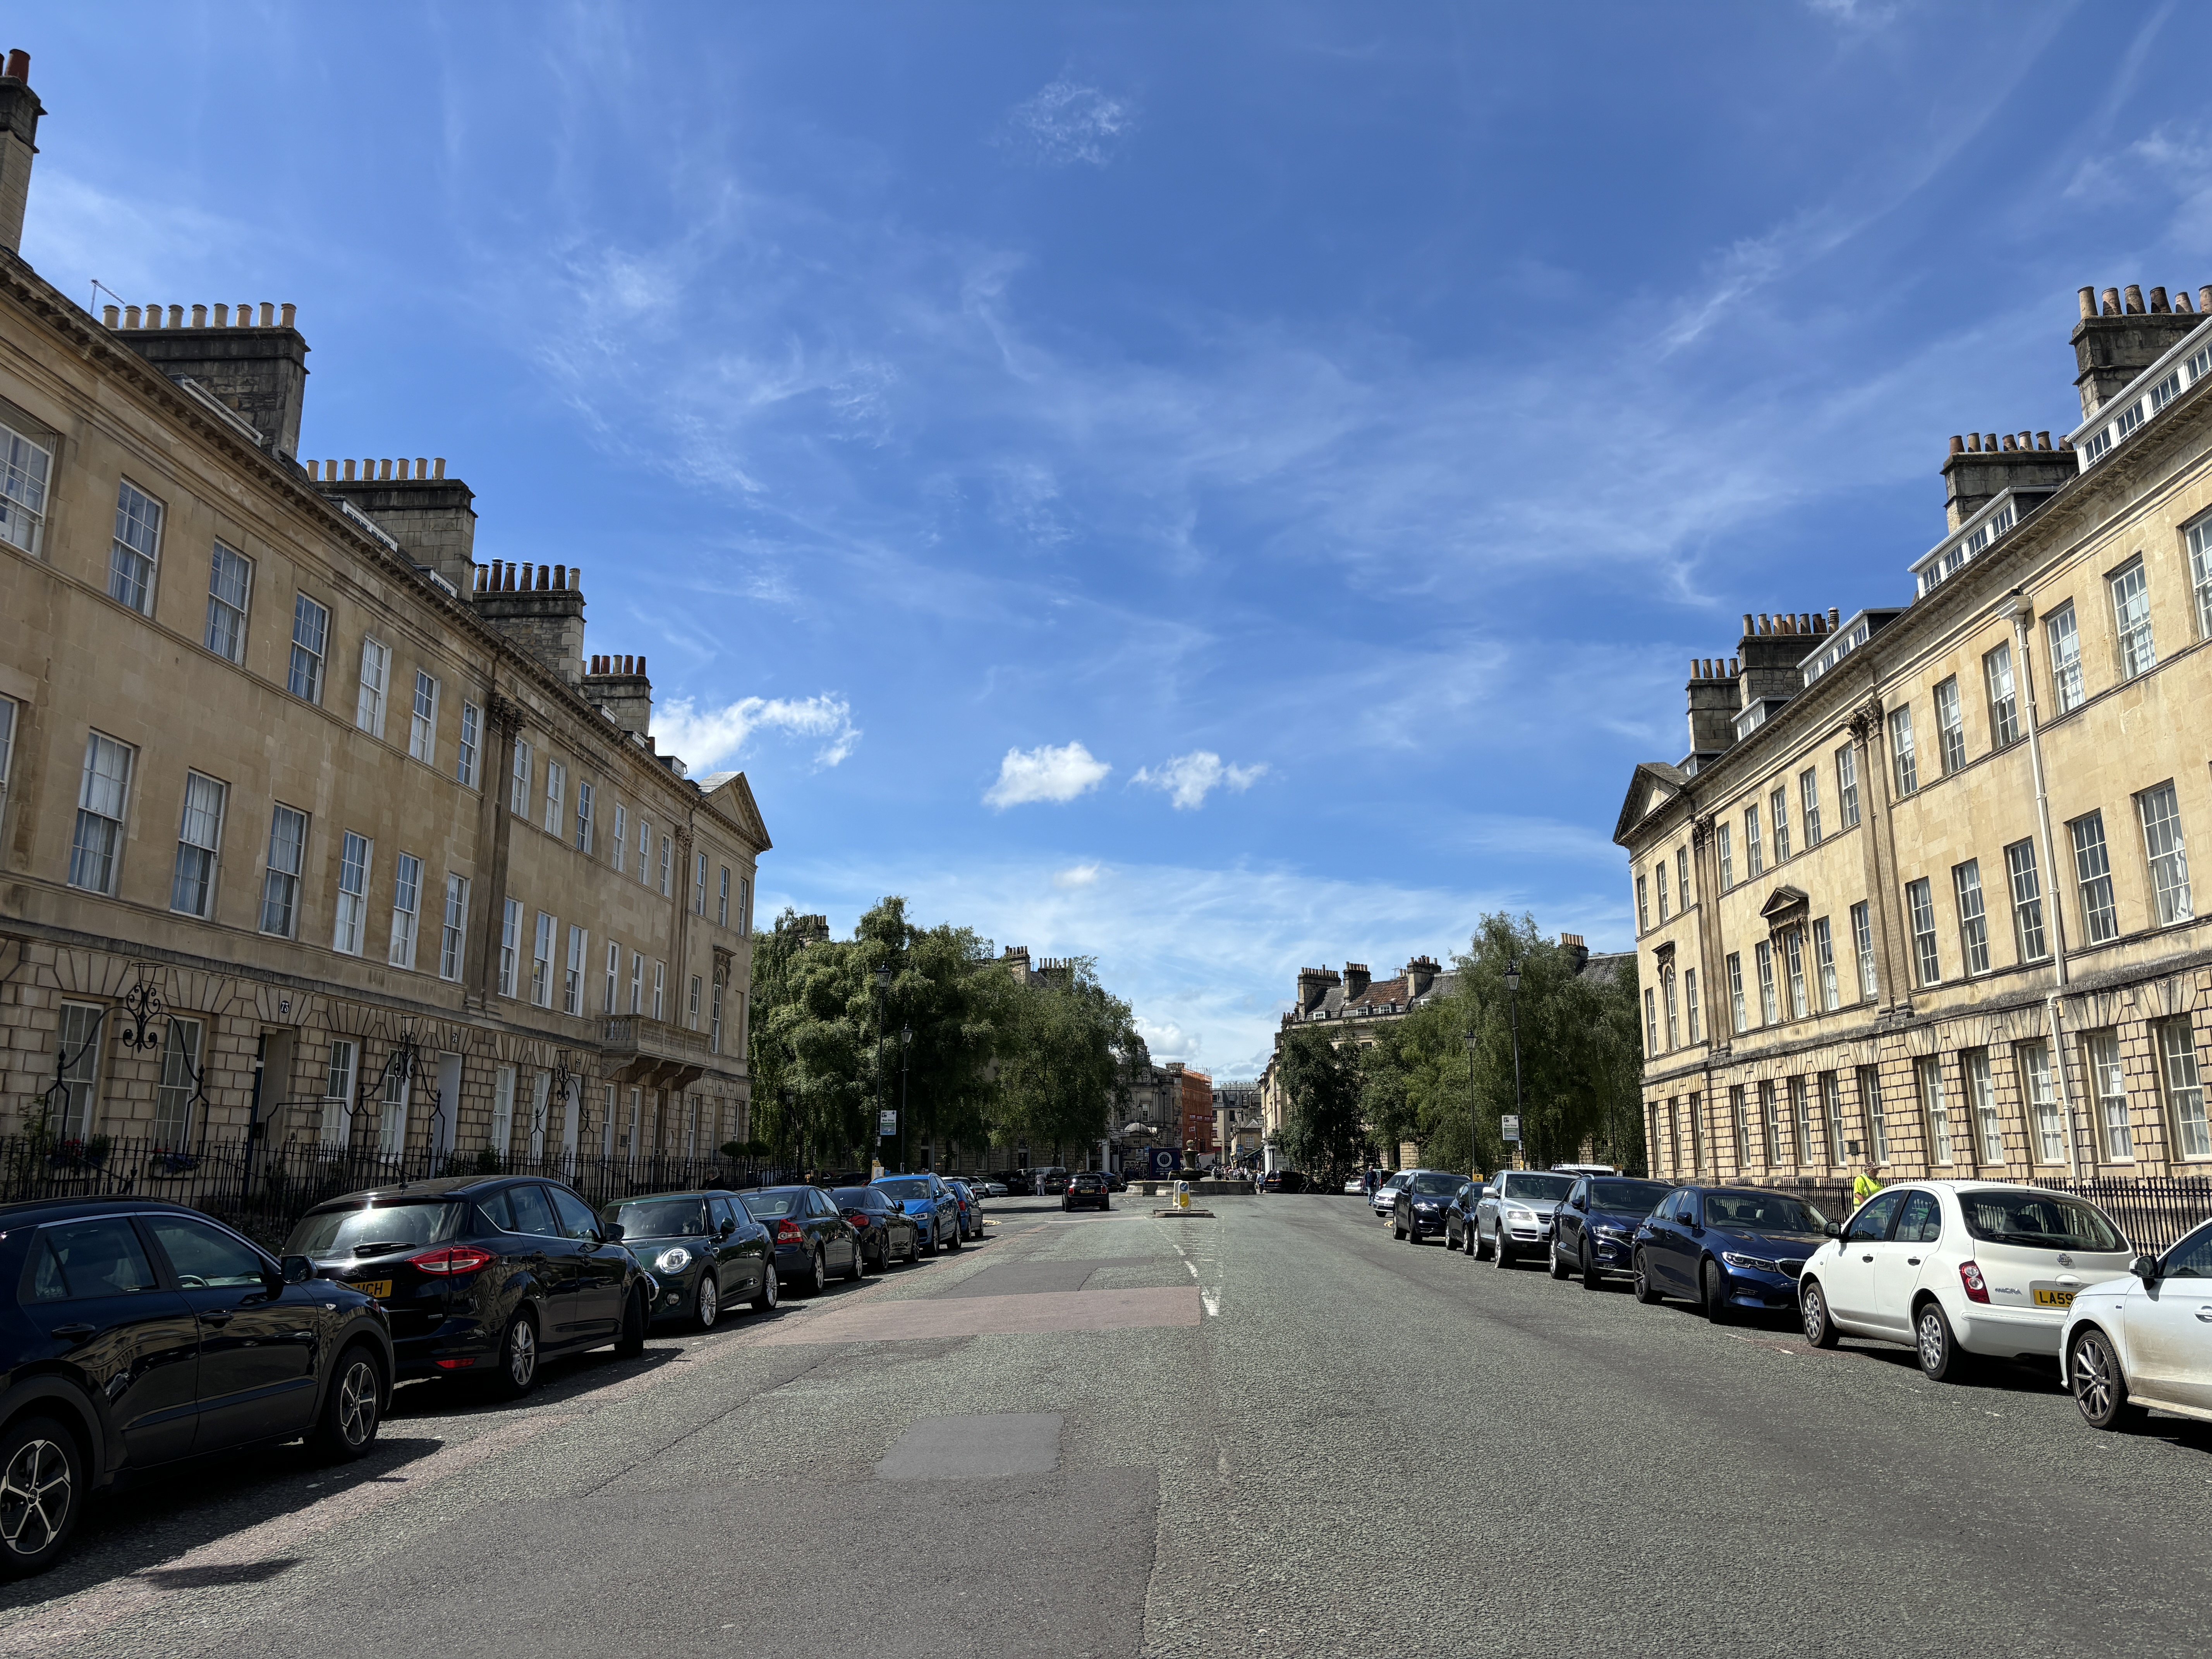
1593,1229
1116,1182
1517,1214
1418,1208
888,1233
1458,1217
1085,1189
989,1186
930,1203
812,1237
134,1333
971,1208
1051,1182
1354,1185
1019,1184
1961,1269
483,1276
1726,1247
1286,1180
704,1249
2145,1339
1384,1198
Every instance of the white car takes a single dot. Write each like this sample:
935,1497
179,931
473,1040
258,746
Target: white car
2145,1339
1385,1201
1355,1185
1959,1268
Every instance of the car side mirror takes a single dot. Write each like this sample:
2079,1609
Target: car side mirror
1834,1230
296,1269
611,1233
2145,1268
726,1229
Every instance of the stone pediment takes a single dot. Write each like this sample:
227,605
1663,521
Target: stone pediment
1784,906
1654,784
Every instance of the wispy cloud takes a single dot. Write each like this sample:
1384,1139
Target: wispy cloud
1076,875
1189,779
1065,121
1045,773
704,737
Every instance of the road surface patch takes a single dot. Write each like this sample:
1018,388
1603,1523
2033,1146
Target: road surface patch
974,1447
1035,1313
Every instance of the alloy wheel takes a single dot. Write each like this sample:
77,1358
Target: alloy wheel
521,1353
1934,1339
35,1496
710,1302
357,1391
2094,1373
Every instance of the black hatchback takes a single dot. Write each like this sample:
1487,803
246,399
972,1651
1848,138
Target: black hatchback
703,1250
483,1277
135,1333
810,1234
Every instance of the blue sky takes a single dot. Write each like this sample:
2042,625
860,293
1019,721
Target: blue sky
1221,489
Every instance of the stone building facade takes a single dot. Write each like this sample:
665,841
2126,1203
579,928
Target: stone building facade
1919,895
311,826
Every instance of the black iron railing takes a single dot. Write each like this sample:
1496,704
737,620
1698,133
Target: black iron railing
2152,1211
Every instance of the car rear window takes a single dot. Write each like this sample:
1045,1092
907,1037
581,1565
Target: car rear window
1762,1212
2039,1221
377,1229
660,1217
858,1198
771,1205
1639,1196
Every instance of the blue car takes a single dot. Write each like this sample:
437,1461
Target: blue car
932,1205
1727,1248
1593,1229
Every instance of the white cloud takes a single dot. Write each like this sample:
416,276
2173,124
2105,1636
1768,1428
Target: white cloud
1065,121
1045,773
1189,779
1076,875
1169,1041
705,736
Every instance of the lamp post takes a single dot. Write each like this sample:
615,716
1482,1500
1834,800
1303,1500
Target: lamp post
1467,1038
883,992
2023,619
1513,1014
906,1046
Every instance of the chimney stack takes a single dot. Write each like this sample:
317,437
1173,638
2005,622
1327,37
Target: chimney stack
20,111
432,516
541,618
620,685
2122,339
1976,474
260,373
1356,980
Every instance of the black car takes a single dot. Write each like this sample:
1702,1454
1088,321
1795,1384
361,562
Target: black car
1085,1189
812,1236
483,1277
1419,1209
888,1233
1283,1181
1051,1183
1726,1247
703,1250
1018,1184
1116,1182
1459,1217
134,1333
1593,1229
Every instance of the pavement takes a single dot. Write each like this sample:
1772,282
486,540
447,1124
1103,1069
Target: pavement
1272,1431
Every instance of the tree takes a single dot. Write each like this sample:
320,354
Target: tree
1067,1050
1325,1129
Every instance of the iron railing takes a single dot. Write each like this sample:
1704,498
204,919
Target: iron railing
2152,1211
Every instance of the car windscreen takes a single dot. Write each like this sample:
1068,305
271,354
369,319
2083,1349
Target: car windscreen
1638,1197
858,1198
376,1228
1435,1184
913,1187
1524,1184
1762,1212
775,1202
2040,1221
661,1218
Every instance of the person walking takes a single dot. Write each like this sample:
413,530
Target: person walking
1864,1187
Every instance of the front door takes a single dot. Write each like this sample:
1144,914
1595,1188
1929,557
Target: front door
734,1252
601,1269
2170,1328
93,1289
1849,1279
1675,1258
1897,1264
257,1350
1568,1221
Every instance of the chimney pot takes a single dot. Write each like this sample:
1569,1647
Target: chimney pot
1974,443
2133,298
1989,443
131,316
386,473
222,316
2043,440
575,579
285,312
176,316
2158,300
2204,298
312,467
199,316
560,578
2109,302
109,315
349,476
641,667
1835,619
510,576
437,464
1958,445
1735,668
402,466
268,315
2007,440
245,315
1747,629
421,467
19,65
2088,302
480,580
545,578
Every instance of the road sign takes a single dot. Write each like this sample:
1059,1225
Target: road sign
1510,1127
886,1124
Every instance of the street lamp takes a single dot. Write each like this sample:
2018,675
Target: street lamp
906,1046
1467,1038
1513,1013
882,991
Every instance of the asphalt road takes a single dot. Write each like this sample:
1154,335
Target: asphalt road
1273,1432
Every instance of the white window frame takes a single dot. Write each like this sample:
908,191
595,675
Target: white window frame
572,979
1920,911
278,882
541,960
1982,1099
103,813
178,1085
2158,809
1809,802
518,792
2130,590
614,978
2004,695
2108,1082
667,867
2064,636
1736,1010
375,689
202,857
556,797
356,860
2093,878
622,836
500,1137
134,557
722,906
1904,761
1769,1000
1777,811
2200,574
1974,918
636,983
510,944
468,762
406,909
453,928
584,818
2024,882
2040,1100
1824,965
26,467
660,990
78,1041
422,720
341,1076
227,615
699,885
1935,1108
1690,1002
1950,726
2184,1089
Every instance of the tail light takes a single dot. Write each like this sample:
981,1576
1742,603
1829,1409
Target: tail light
452,1259
859,1218
1970,1275
453,1365
786,1232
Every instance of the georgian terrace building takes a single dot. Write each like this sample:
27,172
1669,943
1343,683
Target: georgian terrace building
311,825
1919,895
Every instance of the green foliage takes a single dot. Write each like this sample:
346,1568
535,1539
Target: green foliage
1324,1130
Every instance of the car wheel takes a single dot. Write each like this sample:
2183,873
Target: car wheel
1646,1292
1812,1303
1941,1357
764,1301
1714,1283
1560,1267
1480,1247
346,1428
818,1279
1105,1204
518,1356
1396,1231
1450,1243
1592,1279
859,1267
958,1238
2100,1387
1501,1253
935,1243
41,1490
708,1307
630,1342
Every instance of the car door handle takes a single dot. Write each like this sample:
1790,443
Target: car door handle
78,1333
2205,1314
1866,1258
217,1317
1913,1261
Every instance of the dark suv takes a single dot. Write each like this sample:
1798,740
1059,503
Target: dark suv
134,1333
483,1276
1086,1188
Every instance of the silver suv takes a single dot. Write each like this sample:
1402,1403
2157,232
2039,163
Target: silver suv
1515,1213
1385,1197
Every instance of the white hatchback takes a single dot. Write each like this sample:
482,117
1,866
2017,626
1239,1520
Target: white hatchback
1959,1268
2145,1339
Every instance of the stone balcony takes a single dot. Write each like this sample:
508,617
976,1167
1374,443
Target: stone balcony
654,1054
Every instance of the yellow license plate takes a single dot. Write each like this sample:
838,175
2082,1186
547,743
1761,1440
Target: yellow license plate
377,1287
2053,1298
